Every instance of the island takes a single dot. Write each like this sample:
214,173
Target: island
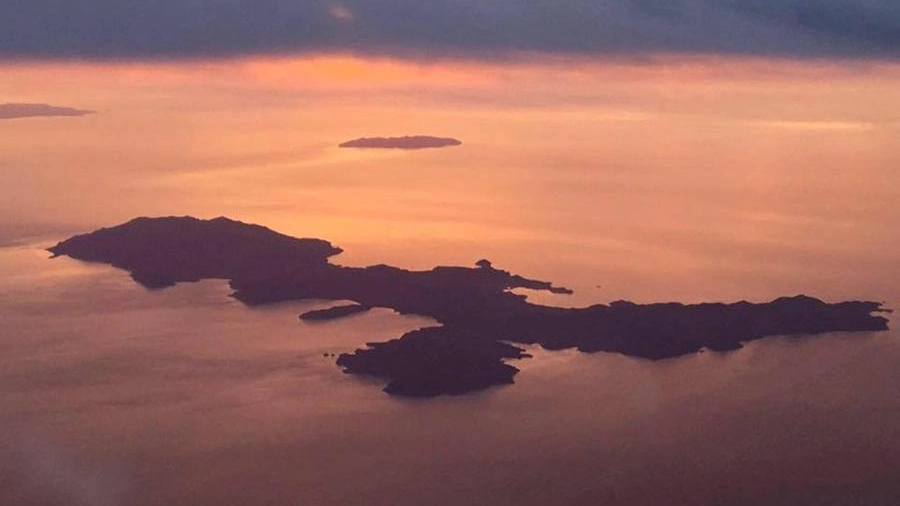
335,312
478,316
30,110
406,142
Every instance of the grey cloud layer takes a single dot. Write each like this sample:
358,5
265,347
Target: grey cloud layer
432,28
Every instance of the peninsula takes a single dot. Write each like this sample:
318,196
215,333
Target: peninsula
477,314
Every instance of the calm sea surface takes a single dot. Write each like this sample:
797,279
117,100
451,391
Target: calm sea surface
114,395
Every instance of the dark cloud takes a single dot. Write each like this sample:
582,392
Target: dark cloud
128,29
15,111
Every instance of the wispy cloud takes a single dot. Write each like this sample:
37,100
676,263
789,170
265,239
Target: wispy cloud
16,111
137,29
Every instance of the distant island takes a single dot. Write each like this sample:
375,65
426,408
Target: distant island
407,142
333,313
477,314
18,111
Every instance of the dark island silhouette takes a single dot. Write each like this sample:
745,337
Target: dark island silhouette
29,110
334,313
406,142
477,312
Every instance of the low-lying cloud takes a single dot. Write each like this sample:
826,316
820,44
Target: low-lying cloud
16,111
141,29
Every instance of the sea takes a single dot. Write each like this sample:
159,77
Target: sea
684,182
